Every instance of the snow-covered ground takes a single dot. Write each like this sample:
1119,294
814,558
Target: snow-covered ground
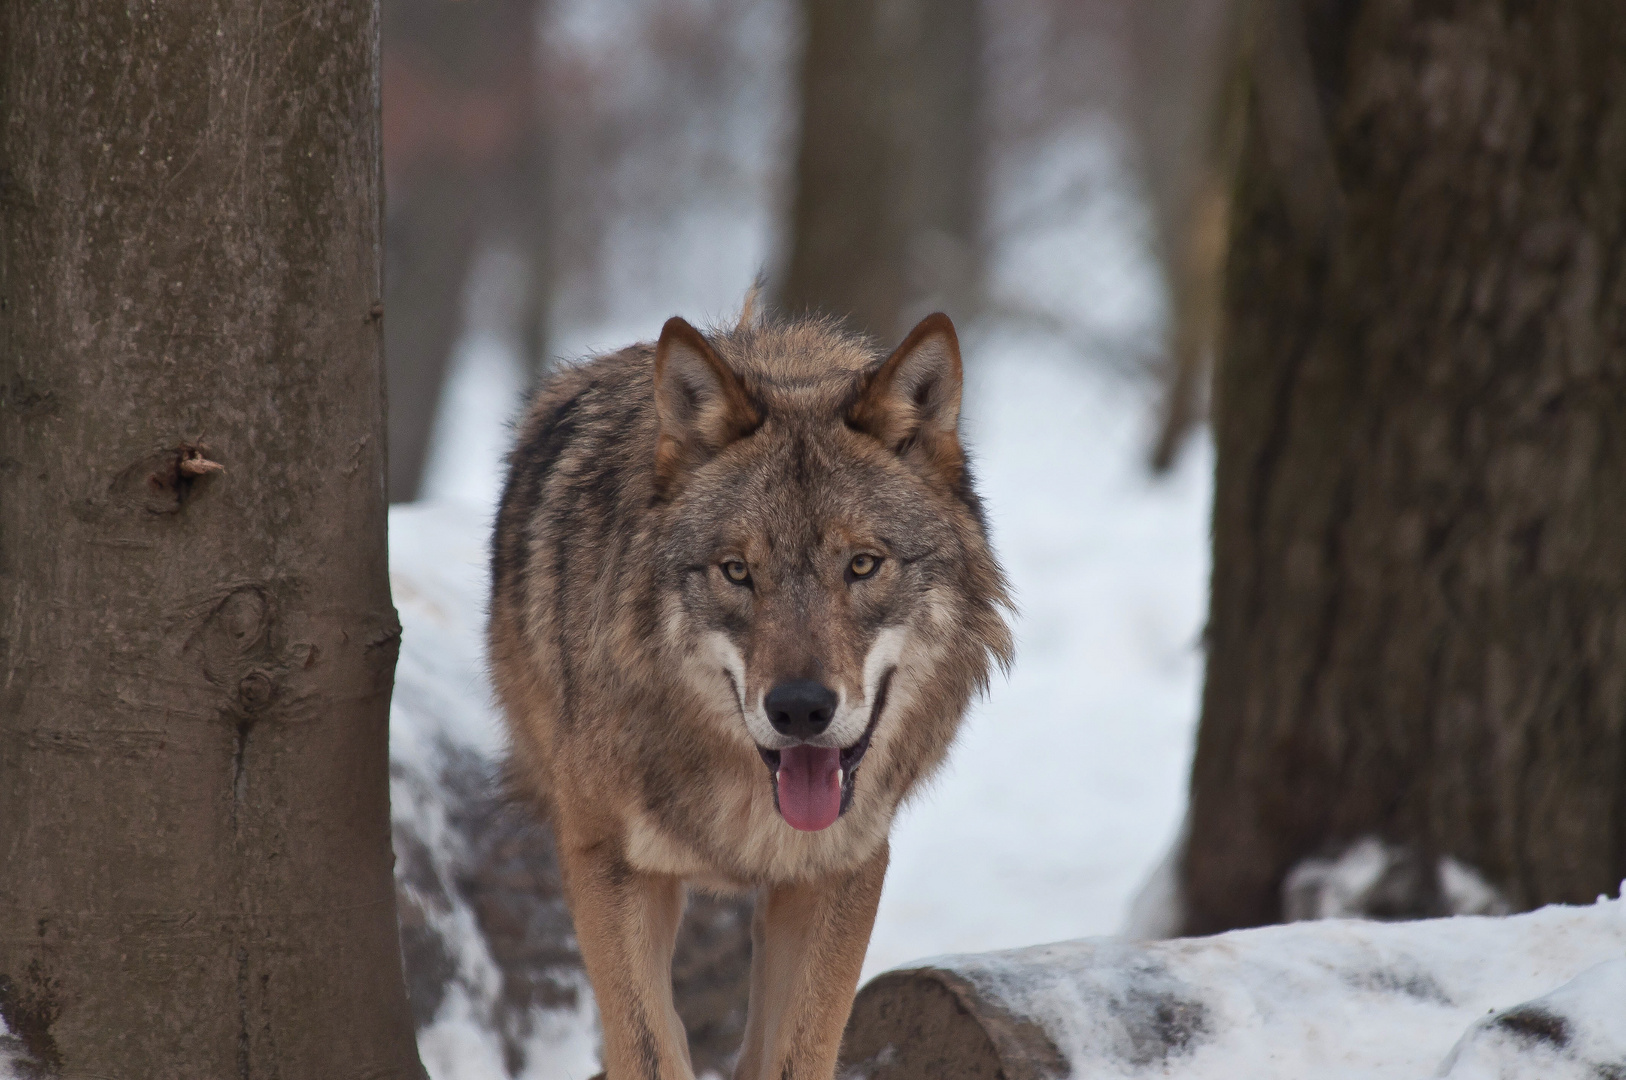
444,744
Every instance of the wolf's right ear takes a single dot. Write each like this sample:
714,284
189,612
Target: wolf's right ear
700,403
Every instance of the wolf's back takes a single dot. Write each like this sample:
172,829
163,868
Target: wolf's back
579,477
569,556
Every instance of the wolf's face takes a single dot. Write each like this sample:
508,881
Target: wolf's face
826,573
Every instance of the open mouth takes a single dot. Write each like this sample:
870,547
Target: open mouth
813,785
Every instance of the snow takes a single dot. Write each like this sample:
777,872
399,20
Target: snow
1577,1032
1372,879
1333,999
438,576
14,1057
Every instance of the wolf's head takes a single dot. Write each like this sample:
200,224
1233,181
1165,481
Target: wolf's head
826,571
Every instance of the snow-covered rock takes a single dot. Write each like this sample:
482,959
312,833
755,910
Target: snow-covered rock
477,1018
1331,999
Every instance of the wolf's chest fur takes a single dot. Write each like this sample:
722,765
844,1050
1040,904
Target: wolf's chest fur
744,841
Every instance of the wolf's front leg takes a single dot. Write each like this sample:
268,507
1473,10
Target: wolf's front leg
807,949
626,924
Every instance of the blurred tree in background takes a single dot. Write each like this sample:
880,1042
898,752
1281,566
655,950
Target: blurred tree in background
494,137
887,214
466,154
1418,624
558,134
1186,110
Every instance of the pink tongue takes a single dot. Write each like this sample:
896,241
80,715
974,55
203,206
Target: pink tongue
809,786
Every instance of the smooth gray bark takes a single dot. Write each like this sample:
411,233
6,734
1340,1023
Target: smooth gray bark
195,664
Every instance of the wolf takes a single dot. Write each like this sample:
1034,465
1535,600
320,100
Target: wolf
742,594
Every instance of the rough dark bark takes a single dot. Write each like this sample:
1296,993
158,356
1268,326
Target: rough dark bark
887,216
195,665
1418,624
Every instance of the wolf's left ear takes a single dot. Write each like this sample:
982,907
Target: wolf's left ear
912,402
700,403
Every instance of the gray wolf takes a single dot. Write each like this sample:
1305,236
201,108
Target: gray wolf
742,594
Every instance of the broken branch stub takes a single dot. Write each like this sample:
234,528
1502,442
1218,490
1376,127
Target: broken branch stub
194,463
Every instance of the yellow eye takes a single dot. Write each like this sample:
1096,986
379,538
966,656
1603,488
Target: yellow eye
736,572
863,565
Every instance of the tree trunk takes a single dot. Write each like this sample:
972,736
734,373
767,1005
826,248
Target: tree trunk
1418,625
887,216
195,664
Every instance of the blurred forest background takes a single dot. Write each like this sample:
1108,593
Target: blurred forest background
554,164
1408,219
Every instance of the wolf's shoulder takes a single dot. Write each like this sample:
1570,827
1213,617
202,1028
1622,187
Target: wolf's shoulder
585,408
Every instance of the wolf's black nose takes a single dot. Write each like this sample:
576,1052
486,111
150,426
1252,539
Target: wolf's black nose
801,708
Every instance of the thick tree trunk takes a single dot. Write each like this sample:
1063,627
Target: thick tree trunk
195,665
1418,627
887,216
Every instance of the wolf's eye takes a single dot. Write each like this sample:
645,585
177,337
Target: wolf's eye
735,571
863,566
